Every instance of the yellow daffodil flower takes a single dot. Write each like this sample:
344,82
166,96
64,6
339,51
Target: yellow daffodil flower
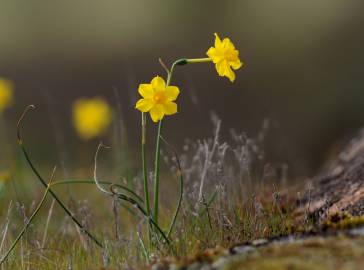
6,94
91,117
158,99
225,57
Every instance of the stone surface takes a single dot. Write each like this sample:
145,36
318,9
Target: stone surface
341,187
340,250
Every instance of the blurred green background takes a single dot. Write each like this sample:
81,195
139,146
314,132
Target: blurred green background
303,70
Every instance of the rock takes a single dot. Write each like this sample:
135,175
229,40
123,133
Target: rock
341,187
339,249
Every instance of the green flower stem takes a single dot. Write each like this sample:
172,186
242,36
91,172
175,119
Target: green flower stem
76,181
144,160
157,148
156,172
179,62
145,173
179,174
198,60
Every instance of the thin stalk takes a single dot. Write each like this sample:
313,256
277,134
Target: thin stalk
75,181
144,160
47,222
145,172
198,60
144,249
157,148
3,259
171,226
121,196
209,203
6,227
144,212
156,172
111,192
181,184
68,212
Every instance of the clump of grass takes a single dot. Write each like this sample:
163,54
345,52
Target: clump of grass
222,218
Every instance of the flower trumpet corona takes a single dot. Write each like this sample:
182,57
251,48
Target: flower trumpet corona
157,99
6,94
91,117
225,57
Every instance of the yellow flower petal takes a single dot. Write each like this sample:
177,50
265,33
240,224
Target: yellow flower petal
158,84
170,108
215,55
230,74
218,42
227,44
146,90
156,113
172,93
223,69
236,64
144,105
157,99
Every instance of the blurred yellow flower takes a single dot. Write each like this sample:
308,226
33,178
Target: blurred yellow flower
91,117
6,94
158,99
225,57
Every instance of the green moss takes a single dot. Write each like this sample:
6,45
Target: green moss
342,221
316,253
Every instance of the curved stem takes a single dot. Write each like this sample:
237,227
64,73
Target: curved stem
120,196
35,171
71,181
68,212
95,170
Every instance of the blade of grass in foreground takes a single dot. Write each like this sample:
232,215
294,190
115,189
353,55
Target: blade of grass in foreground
3,259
